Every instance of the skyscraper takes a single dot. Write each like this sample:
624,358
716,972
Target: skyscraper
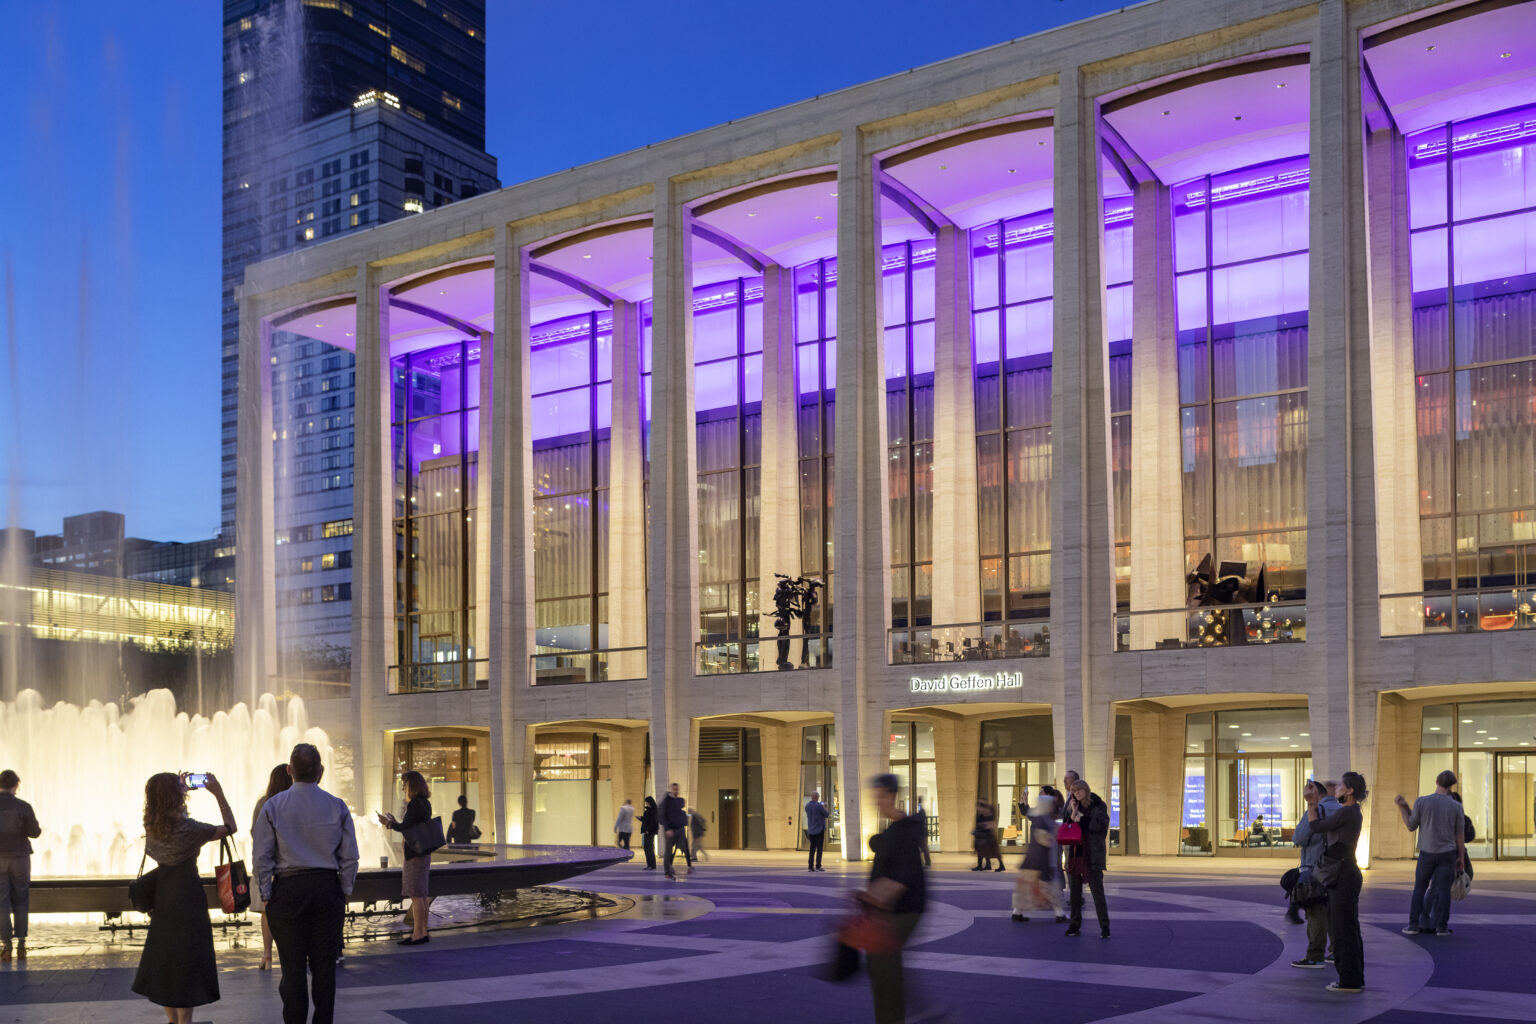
338,115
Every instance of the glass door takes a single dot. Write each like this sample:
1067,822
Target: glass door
1008,781
1515,814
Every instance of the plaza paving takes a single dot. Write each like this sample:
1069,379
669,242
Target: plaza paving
744,940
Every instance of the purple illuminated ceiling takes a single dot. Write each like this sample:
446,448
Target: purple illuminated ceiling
791,225
981,180
1217,125
1459,69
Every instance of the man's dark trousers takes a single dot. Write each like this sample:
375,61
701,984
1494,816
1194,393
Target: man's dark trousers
1434,872
816,841
1075,903
305,914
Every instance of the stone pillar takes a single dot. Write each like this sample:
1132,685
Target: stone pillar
1393,408
958,815
256,584
1395,770
511,526
674,534
480,519
1082,547
626,501
1157,751
626,753
1157,472
956,535
781,783
863,484
373,549
1336,316
779,519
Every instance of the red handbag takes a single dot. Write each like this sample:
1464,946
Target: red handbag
234,881
1070,832
867,931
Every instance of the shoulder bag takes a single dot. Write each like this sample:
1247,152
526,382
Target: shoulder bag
1069,832
1461,888
141,891
234,881
424,837
1327,870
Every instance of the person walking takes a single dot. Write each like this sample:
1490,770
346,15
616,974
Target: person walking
18,827
277,781
648,828
815,830
1311,844
1037,886
1341,829
984,836
1087,860
415,874
305,853
177,970
674,829
696,830
462,829
921,814
1440,823
624,825
897,893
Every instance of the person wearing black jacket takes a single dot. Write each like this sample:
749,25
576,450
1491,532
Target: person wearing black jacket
1087,860
898,892
18,827
414,875
1342,828
674,828
648,828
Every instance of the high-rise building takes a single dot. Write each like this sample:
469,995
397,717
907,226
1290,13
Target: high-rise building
337,116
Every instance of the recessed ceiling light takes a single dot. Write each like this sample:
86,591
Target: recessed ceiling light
1482,732
441,292
1279,85
1504,56
1295,744
1306,734
1013,170
586,255
1493,739
750,214
1247,734
1234,727
349,334
1167,112
832,194
319,325
1477,743
1434,728
943,167
1285,737
1041,142
1466,721
1429,49
1237,117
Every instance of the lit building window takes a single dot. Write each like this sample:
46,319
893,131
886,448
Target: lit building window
353,200
1117,317
337,528
413,204
309,234
452,102
328,561
908,282
245,24
815,413
353,220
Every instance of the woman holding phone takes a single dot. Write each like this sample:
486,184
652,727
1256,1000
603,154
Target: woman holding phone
413,877
1341,830
177,970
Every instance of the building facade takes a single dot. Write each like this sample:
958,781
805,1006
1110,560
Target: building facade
1142,400
338,117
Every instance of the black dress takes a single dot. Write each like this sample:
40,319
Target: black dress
177,967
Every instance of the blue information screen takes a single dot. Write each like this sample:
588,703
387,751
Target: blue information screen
1194,800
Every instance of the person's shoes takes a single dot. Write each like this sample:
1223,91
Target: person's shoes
690,869
5,953
1438,931
1073,933
1020,917
415,942
1334,986
999,866
1412,930
1292,916
820,868
1060,919
671,877
21,949
978,867
1103,933
1329,959
810,869
1306,962
265,965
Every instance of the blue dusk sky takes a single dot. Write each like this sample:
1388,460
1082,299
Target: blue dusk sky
109,240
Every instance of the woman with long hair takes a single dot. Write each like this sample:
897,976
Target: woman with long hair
414,875
177,969
1341,829
277,781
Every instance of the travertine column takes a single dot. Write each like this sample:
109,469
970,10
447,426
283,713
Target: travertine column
373,549
1082,548
956,533
1157,749
511,515
1157,525
256,583
1395,426
779,522
1336,317
862,606
674,534
626,500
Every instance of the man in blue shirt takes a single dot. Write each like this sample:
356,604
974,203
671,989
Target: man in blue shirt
815,829
1312,845
306,864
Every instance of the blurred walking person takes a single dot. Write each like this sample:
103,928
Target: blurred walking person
897,894
674,829
1087,860
1037,887
306,863
921,814
277,781
696,830
648,828
1342,831
624,825
815,830
984,836
18,827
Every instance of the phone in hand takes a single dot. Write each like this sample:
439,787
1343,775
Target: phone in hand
197,780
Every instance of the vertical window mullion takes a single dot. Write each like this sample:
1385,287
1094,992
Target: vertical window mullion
1210,371
593,571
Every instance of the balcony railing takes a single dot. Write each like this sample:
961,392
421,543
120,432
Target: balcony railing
970,641
438,676
1227,625
1488,610
767,654
552,666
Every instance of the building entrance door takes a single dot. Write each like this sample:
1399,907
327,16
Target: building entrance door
729,827
1008,782
1515,812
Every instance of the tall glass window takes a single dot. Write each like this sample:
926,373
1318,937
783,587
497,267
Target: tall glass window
914,764
1243,775
571,375
908,275
1489,745
1011,285
1240,253
728,403
435,438
1474,253
1117,320
815,389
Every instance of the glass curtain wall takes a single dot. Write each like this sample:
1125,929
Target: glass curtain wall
451,766
815,389
572,788
908,281
1243,775
1473,238
1117,323
1491,746
1015,753
1011,296
818,774
913,762
435,440
571,373
1241,259
728,402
